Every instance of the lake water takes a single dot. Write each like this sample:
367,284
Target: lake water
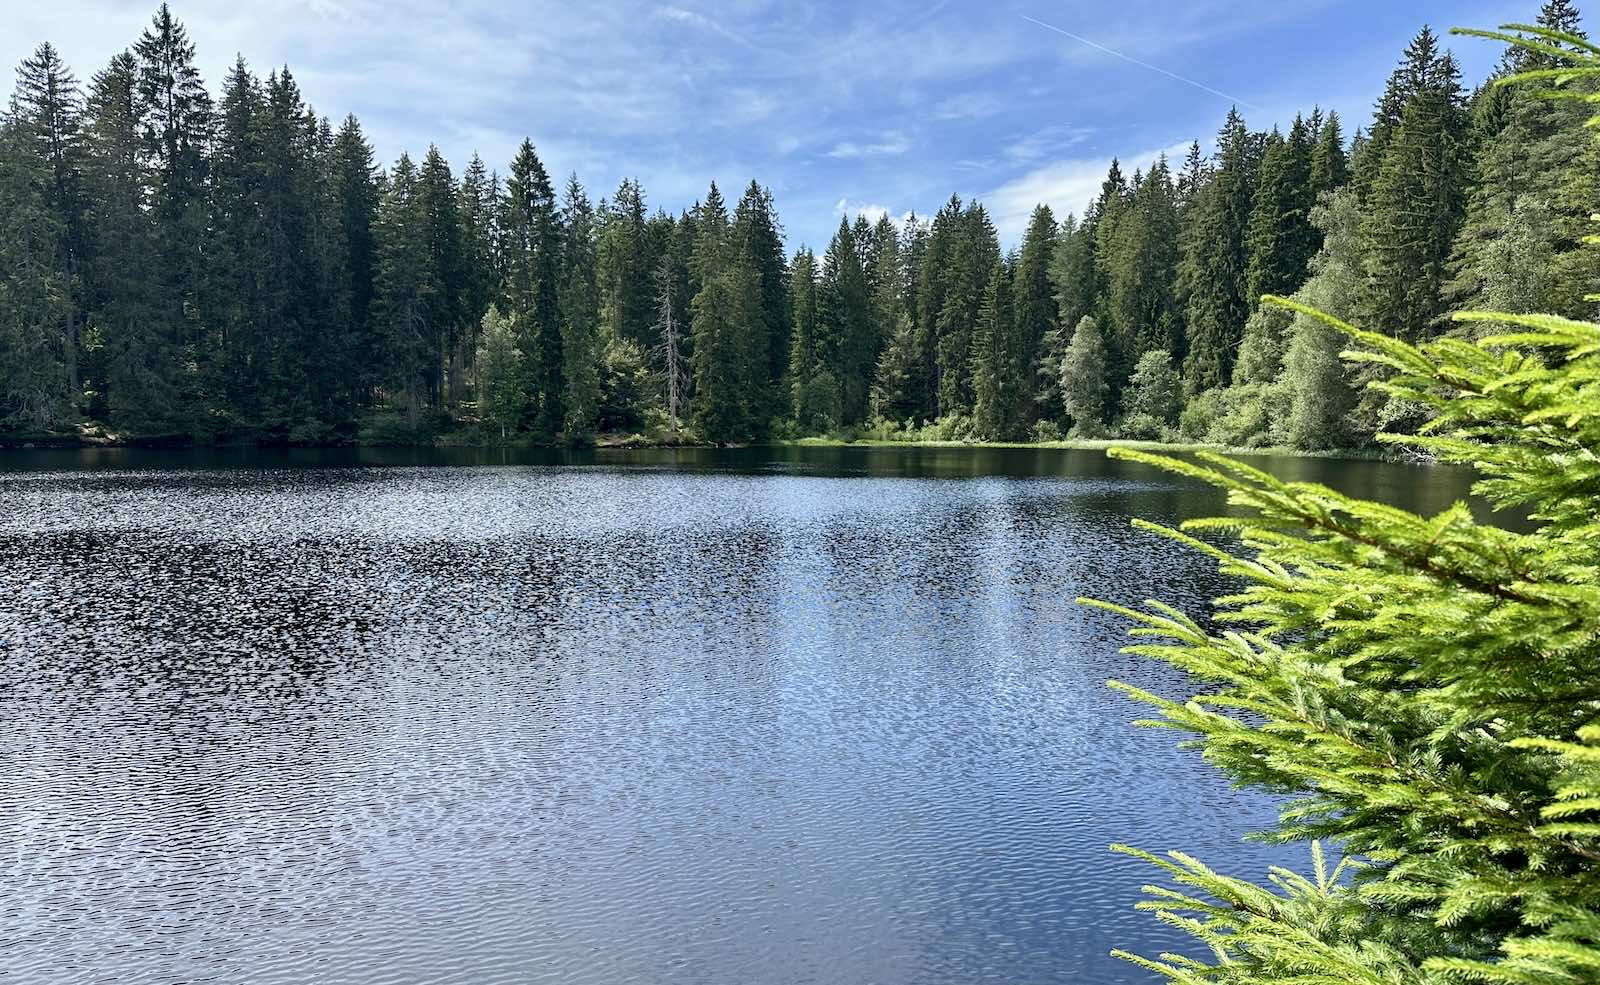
756,716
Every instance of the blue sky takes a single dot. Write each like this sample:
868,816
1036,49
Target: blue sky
836,106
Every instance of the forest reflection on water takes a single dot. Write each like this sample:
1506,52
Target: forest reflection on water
753,715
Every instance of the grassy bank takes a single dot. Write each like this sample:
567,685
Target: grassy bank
1100,444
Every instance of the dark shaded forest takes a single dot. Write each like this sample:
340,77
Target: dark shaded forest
180,267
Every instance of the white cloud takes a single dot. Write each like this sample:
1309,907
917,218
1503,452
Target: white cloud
1066,186
1043,143
888,145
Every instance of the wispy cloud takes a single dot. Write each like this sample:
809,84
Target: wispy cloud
1066,186
887,145
704,23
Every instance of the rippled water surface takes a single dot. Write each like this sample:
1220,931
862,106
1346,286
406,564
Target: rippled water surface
756,716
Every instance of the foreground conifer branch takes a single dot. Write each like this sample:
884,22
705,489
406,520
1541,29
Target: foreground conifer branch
1428,688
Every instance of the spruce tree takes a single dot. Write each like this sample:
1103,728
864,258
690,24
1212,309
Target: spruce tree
1215,264
815,402
999,358
934,280
846,338
46,122
759,243
1415,203
626,264
1423,686
404,300
973,254
1034,305
234,310
35,298
174,116
1281,239
448,301
580,315
133,364
477,207
1519,248
1139,263
531,236
355,190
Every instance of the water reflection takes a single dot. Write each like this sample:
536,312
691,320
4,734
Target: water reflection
805,715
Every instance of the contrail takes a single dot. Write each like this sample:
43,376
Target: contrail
1128,58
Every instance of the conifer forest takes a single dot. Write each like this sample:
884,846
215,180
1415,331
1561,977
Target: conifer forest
231,266
451,572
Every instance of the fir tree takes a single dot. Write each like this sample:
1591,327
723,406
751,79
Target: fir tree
174,111
1281,239
133,371
1425,685
759,243
1034,305
46,125
1416,198
355,190
846,340
999,358
34,291
1216,258
580,314
404,299
532,243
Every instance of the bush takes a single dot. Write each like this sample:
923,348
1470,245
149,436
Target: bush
1143,427
1045,432
1201,413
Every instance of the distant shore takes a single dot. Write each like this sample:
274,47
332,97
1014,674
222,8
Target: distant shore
90,438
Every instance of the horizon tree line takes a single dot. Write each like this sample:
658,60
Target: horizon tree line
242,269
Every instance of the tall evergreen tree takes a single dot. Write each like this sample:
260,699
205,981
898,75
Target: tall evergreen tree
46,122
1034,303
133,371
405,289
580,314
355,189
759,242
1280,238
448,303
626,264
846,342
999,364
1415,204
532,245
174,114
974,252
1532,193
35,296
1216,260
814,392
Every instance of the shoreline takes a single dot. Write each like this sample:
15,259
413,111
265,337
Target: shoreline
71,442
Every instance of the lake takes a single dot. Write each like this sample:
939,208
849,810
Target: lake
768,715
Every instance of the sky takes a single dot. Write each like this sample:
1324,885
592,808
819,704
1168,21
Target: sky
838,107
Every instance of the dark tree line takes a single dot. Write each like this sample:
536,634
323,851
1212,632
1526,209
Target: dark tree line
242,269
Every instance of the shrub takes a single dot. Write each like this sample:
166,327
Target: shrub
1047,431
